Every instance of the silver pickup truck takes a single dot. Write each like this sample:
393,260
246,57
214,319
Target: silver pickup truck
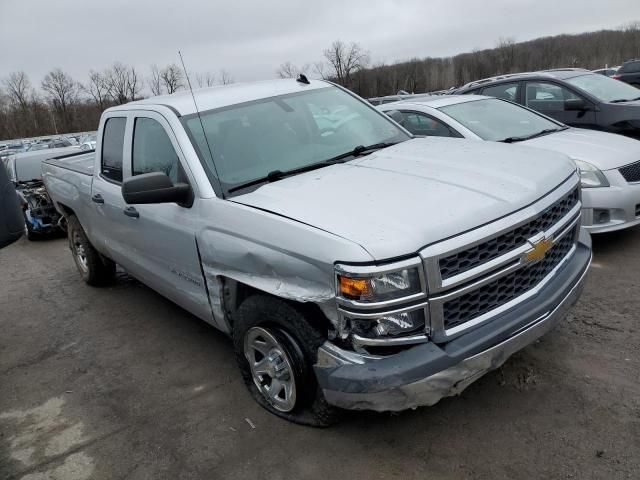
353,265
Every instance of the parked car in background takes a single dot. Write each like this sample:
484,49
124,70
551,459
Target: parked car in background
25,171
12,149
575,97
88,142
609,164
354,266
629,73
34,147
607,72
60,143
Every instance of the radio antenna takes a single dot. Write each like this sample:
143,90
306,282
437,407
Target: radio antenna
204,133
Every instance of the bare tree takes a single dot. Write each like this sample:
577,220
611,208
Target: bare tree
62,91
171,78
289,70
345,60
155,83
123,83
97,89
225,77
320,69
206,79
19,89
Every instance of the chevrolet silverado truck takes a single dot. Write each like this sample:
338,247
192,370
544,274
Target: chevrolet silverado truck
354,266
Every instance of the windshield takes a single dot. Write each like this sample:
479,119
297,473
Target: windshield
495,120
604,88
287,132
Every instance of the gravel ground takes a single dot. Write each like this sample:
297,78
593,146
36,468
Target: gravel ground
120,383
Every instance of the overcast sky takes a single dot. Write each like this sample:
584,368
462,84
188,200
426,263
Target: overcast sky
251,38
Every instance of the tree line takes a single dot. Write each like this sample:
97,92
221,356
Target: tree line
350,66
61,104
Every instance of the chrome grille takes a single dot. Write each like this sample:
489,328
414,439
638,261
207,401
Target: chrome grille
465,260
492,295
631,173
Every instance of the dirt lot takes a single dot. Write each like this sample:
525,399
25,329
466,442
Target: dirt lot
120,383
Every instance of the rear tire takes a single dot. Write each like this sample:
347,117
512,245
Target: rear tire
289,345
95,269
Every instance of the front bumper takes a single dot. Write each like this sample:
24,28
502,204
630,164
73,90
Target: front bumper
422,375
611,208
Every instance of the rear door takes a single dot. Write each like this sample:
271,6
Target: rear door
550,99
507,91
161,238
105,227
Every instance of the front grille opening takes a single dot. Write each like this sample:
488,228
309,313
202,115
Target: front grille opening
488,297
467,259
631,173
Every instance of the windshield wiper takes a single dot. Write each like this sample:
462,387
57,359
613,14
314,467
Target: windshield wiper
276,175
359,150
546,131
623,100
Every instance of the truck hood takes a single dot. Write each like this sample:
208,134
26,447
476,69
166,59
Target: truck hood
603,150
395,201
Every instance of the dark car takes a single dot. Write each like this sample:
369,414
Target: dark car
629,73
11,224
575,97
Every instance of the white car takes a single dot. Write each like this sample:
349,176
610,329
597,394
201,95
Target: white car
609,164
88,143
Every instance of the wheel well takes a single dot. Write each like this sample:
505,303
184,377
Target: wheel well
66,211
234,293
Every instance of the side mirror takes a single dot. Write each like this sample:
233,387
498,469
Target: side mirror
155,187
576,105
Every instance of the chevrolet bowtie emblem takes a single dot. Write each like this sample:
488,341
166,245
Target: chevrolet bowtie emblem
539,250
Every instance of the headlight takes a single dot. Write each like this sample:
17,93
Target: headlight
390,324
590,176
378,287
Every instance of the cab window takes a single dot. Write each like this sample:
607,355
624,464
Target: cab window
153,150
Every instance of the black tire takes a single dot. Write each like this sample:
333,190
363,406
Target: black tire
300,340
94,268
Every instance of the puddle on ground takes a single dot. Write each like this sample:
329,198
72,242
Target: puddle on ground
41,434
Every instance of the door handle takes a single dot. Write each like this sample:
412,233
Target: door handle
97,198
131,212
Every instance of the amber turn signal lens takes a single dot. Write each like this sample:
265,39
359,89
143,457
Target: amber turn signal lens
354,287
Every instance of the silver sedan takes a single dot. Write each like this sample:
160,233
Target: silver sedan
609,164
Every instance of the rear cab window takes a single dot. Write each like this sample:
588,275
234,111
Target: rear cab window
112,148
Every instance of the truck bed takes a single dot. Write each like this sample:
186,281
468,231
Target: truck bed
76,162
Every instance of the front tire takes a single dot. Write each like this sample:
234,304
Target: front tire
276,347
95,269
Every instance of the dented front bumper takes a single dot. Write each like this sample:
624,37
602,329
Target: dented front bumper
424,374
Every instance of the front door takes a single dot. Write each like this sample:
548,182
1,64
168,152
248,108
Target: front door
162,237
551,98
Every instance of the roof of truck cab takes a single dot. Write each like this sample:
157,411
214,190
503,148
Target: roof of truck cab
225,95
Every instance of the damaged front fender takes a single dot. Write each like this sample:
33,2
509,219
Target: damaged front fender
275,255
